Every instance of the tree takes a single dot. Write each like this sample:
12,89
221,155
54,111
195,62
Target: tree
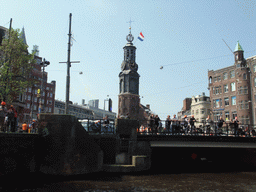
15,67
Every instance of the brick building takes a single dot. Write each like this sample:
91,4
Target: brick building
47,94
232,89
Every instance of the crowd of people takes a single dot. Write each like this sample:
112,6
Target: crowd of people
101,126
187,126
10,121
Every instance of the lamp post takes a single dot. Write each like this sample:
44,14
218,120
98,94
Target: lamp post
44,64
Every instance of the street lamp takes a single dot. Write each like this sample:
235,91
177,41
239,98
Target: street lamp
43,64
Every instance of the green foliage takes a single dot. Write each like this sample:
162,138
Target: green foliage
15,67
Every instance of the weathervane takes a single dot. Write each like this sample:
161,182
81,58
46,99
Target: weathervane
129,37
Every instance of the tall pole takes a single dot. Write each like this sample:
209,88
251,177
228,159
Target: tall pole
7,78
68,68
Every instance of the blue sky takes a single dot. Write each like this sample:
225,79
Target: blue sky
184,36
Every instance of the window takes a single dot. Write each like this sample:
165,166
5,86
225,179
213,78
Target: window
225,76
234,114
50,95
233,100
241,105
254,68
28,105
218,90
244,76
213,90
219,79
246,104
233,86
34,107
29,89
192,112
227,116
255,82
197,111
29,97
35,99
226,100
232,74
245,90
242,90
215,79
226,88
217,103
202,111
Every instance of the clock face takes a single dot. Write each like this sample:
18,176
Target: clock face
236,57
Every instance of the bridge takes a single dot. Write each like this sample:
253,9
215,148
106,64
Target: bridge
204,144
70,147
181,136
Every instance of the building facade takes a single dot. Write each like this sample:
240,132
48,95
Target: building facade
83,111
200,108
80,111
232,89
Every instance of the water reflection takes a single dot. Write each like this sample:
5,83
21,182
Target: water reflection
232,181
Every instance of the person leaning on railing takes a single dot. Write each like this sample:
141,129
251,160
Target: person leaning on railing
168,123
235,123
220,124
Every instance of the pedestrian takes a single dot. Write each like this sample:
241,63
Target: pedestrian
3,113
10,120
220,124
24,127
151,122
192,121
141,130
236,122
185,123
33,130
168,124
208,125
157,123
127,116
105,124
15,118
174,124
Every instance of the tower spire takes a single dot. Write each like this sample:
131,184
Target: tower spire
129,37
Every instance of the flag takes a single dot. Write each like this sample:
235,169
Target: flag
141,36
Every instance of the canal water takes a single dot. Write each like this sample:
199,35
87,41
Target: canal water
228,181
195,172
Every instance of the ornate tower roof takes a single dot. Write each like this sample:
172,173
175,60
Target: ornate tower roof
23,36
238,47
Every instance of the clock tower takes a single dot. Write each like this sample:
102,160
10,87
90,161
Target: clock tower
128,98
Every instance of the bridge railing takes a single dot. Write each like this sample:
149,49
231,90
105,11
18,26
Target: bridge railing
98,126
200,128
